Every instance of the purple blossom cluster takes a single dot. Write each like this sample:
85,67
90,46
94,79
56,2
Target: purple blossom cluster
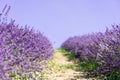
23,51
103,48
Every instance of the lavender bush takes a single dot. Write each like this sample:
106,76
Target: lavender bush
23,51
103,48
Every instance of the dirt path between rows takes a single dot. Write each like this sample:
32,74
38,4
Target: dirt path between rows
60,73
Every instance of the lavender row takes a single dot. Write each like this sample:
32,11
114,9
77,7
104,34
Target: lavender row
23,51
104,48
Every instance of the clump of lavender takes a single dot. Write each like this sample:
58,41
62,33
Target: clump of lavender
23,51
103,48
110,52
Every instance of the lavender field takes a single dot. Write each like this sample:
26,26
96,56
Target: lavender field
24,51
27,54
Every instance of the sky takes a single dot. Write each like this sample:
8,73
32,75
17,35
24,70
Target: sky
60,19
